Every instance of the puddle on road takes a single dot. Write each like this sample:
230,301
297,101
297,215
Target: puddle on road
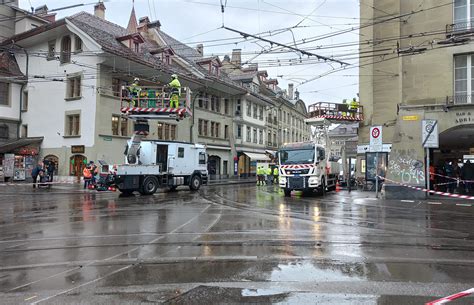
307,272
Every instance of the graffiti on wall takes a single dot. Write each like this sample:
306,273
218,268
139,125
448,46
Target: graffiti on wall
405,167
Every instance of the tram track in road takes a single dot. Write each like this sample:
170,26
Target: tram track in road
130,265
361,223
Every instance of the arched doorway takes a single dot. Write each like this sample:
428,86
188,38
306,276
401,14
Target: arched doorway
214,166
55,160
76,165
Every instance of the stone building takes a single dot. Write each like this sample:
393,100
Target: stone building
427,75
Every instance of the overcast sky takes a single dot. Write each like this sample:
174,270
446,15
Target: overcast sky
199,21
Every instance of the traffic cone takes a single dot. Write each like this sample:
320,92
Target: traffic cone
338,187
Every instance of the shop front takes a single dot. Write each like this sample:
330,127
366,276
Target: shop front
19,157
247,162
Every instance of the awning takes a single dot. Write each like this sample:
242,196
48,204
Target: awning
257,157
11,146
218,147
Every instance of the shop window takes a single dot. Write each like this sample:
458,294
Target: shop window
4,94
65,50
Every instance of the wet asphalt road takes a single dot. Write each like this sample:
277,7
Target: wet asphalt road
229,245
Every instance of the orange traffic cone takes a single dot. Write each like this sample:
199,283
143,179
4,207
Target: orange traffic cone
338,187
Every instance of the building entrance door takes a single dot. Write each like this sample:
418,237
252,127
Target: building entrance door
77,164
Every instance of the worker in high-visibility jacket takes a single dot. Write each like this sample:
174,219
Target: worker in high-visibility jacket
269,173
134,91
354,107
259,176
175,91
275,174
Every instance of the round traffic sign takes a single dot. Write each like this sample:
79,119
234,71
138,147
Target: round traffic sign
375,133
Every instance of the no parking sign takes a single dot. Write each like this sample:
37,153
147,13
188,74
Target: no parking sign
376,143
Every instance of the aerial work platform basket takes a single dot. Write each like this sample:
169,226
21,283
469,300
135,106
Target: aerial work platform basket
154,103
336,113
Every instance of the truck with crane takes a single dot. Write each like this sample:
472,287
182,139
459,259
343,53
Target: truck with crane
150,165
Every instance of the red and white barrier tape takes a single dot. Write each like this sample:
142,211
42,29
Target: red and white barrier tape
452,297
452,178
430,191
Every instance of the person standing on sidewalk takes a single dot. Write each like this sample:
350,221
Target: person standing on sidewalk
275,175
269,175
87,176
36,172
50,168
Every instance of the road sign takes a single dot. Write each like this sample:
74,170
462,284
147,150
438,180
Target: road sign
430,136
376,144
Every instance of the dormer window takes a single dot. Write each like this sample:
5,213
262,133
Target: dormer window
136,47
168,59
65,50
215,70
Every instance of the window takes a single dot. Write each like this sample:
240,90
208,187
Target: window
206,101
238,107
73,123
226,106
202,127
136,46
51,49
215,70
215,104
239,131
4,94
255,135
255,106
24,131
249,134
249,109
226,132
65,50
166,131
463,78
117,84
4,132
180,152
274,139
78,44
260,111
217,127
463,14
115,125
74,87
213,125
124,127
24,105
202,158
200,100
279,114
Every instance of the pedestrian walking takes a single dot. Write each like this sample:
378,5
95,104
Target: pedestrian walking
35,173
50,169
449,172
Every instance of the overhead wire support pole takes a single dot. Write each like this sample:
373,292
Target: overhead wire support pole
245,35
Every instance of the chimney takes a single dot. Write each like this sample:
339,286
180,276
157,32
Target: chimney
143,23
290,91
99,10
200,49
236,57
42,11
297,95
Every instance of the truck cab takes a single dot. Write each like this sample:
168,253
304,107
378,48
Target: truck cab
305,166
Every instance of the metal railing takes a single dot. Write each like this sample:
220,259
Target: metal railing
325,109
459,99
459,28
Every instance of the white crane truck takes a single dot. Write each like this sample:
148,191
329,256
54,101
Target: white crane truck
306,166
150,165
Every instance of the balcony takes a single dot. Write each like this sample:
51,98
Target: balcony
459,100
460,28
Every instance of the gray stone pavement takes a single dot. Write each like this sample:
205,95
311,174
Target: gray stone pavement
230,244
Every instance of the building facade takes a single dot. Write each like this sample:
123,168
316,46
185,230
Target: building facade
427,76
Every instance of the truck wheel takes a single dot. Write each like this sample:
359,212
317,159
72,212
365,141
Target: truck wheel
149,186
195,183
322,188
287,192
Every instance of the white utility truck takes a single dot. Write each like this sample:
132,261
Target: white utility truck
150,165
163,165
306,167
